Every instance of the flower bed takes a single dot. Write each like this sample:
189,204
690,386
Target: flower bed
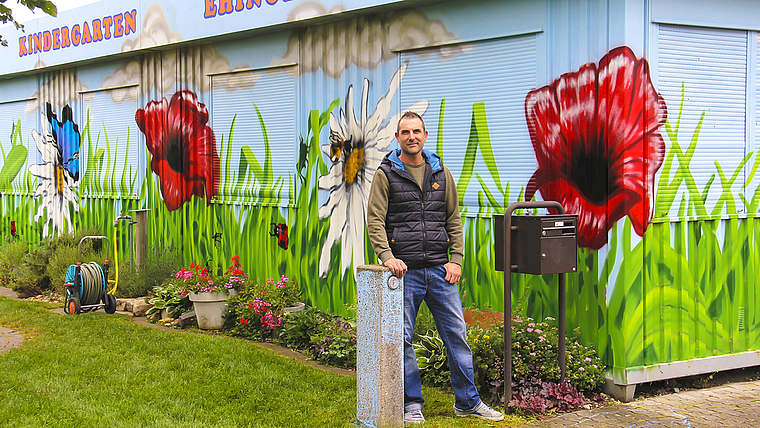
258,313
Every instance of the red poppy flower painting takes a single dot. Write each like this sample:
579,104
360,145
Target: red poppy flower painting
596,136
182,147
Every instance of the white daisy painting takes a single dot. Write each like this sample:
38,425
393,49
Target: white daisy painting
357,146
58,174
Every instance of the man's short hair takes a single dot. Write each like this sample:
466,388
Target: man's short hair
409,115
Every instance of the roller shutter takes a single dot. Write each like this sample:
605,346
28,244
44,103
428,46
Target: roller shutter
254,118
480,79
109,153
709,67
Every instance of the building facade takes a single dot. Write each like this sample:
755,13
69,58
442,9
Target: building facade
253,128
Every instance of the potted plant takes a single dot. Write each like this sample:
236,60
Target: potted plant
209,293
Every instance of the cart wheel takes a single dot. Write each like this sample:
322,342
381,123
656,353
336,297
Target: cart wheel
110,304
73,306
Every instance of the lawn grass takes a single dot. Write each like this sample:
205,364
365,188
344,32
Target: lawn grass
103,370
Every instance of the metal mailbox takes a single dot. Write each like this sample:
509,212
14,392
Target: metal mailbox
540,244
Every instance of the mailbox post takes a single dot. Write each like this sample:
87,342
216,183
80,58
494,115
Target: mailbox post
534,245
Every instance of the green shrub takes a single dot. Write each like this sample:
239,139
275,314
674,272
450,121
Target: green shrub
335,343
162,263
34,270
534,362
299,327
169,296
11,260
432,360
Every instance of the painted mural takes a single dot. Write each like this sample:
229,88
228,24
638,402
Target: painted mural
606,144
58,174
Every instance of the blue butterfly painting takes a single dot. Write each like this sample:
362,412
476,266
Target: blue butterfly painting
67,137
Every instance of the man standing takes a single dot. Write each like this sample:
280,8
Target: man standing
414,225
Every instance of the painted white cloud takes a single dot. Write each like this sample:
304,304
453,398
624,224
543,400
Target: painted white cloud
159,70
363,41
155,31
62,88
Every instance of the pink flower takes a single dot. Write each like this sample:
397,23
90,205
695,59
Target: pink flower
270,320
260,306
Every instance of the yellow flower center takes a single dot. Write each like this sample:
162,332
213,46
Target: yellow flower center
354,164
59,179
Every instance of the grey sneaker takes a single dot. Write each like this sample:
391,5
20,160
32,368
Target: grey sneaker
482,411
414,416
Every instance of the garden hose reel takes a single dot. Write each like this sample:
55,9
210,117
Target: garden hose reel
86,283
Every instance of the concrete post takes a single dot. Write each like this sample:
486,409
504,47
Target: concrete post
380,348
141,247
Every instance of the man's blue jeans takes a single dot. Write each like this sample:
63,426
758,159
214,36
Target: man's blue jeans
442,298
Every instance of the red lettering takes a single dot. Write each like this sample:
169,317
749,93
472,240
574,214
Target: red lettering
65,42
22,46
225,7
107,22
251,3
97,34
130,20
56,39
210,9
118,29
76,35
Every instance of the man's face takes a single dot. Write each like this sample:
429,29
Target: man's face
411,135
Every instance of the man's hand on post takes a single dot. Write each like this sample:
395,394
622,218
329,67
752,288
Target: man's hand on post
453,272
397,267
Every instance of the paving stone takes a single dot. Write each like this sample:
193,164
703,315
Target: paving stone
733,405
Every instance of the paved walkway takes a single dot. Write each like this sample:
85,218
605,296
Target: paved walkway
9,338
731,405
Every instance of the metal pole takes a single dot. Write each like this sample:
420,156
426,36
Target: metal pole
141,218
508,269
131,224
561,333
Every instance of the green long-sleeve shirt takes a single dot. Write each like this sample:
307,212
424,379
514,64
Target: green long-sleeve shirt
377,209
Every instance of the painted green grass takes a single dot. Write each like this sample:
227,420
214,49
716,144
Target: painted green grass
17,184
691,299
104,370
683,291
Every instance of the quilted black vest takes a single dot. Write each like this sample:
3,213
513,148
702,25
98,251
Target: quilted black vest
416,219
